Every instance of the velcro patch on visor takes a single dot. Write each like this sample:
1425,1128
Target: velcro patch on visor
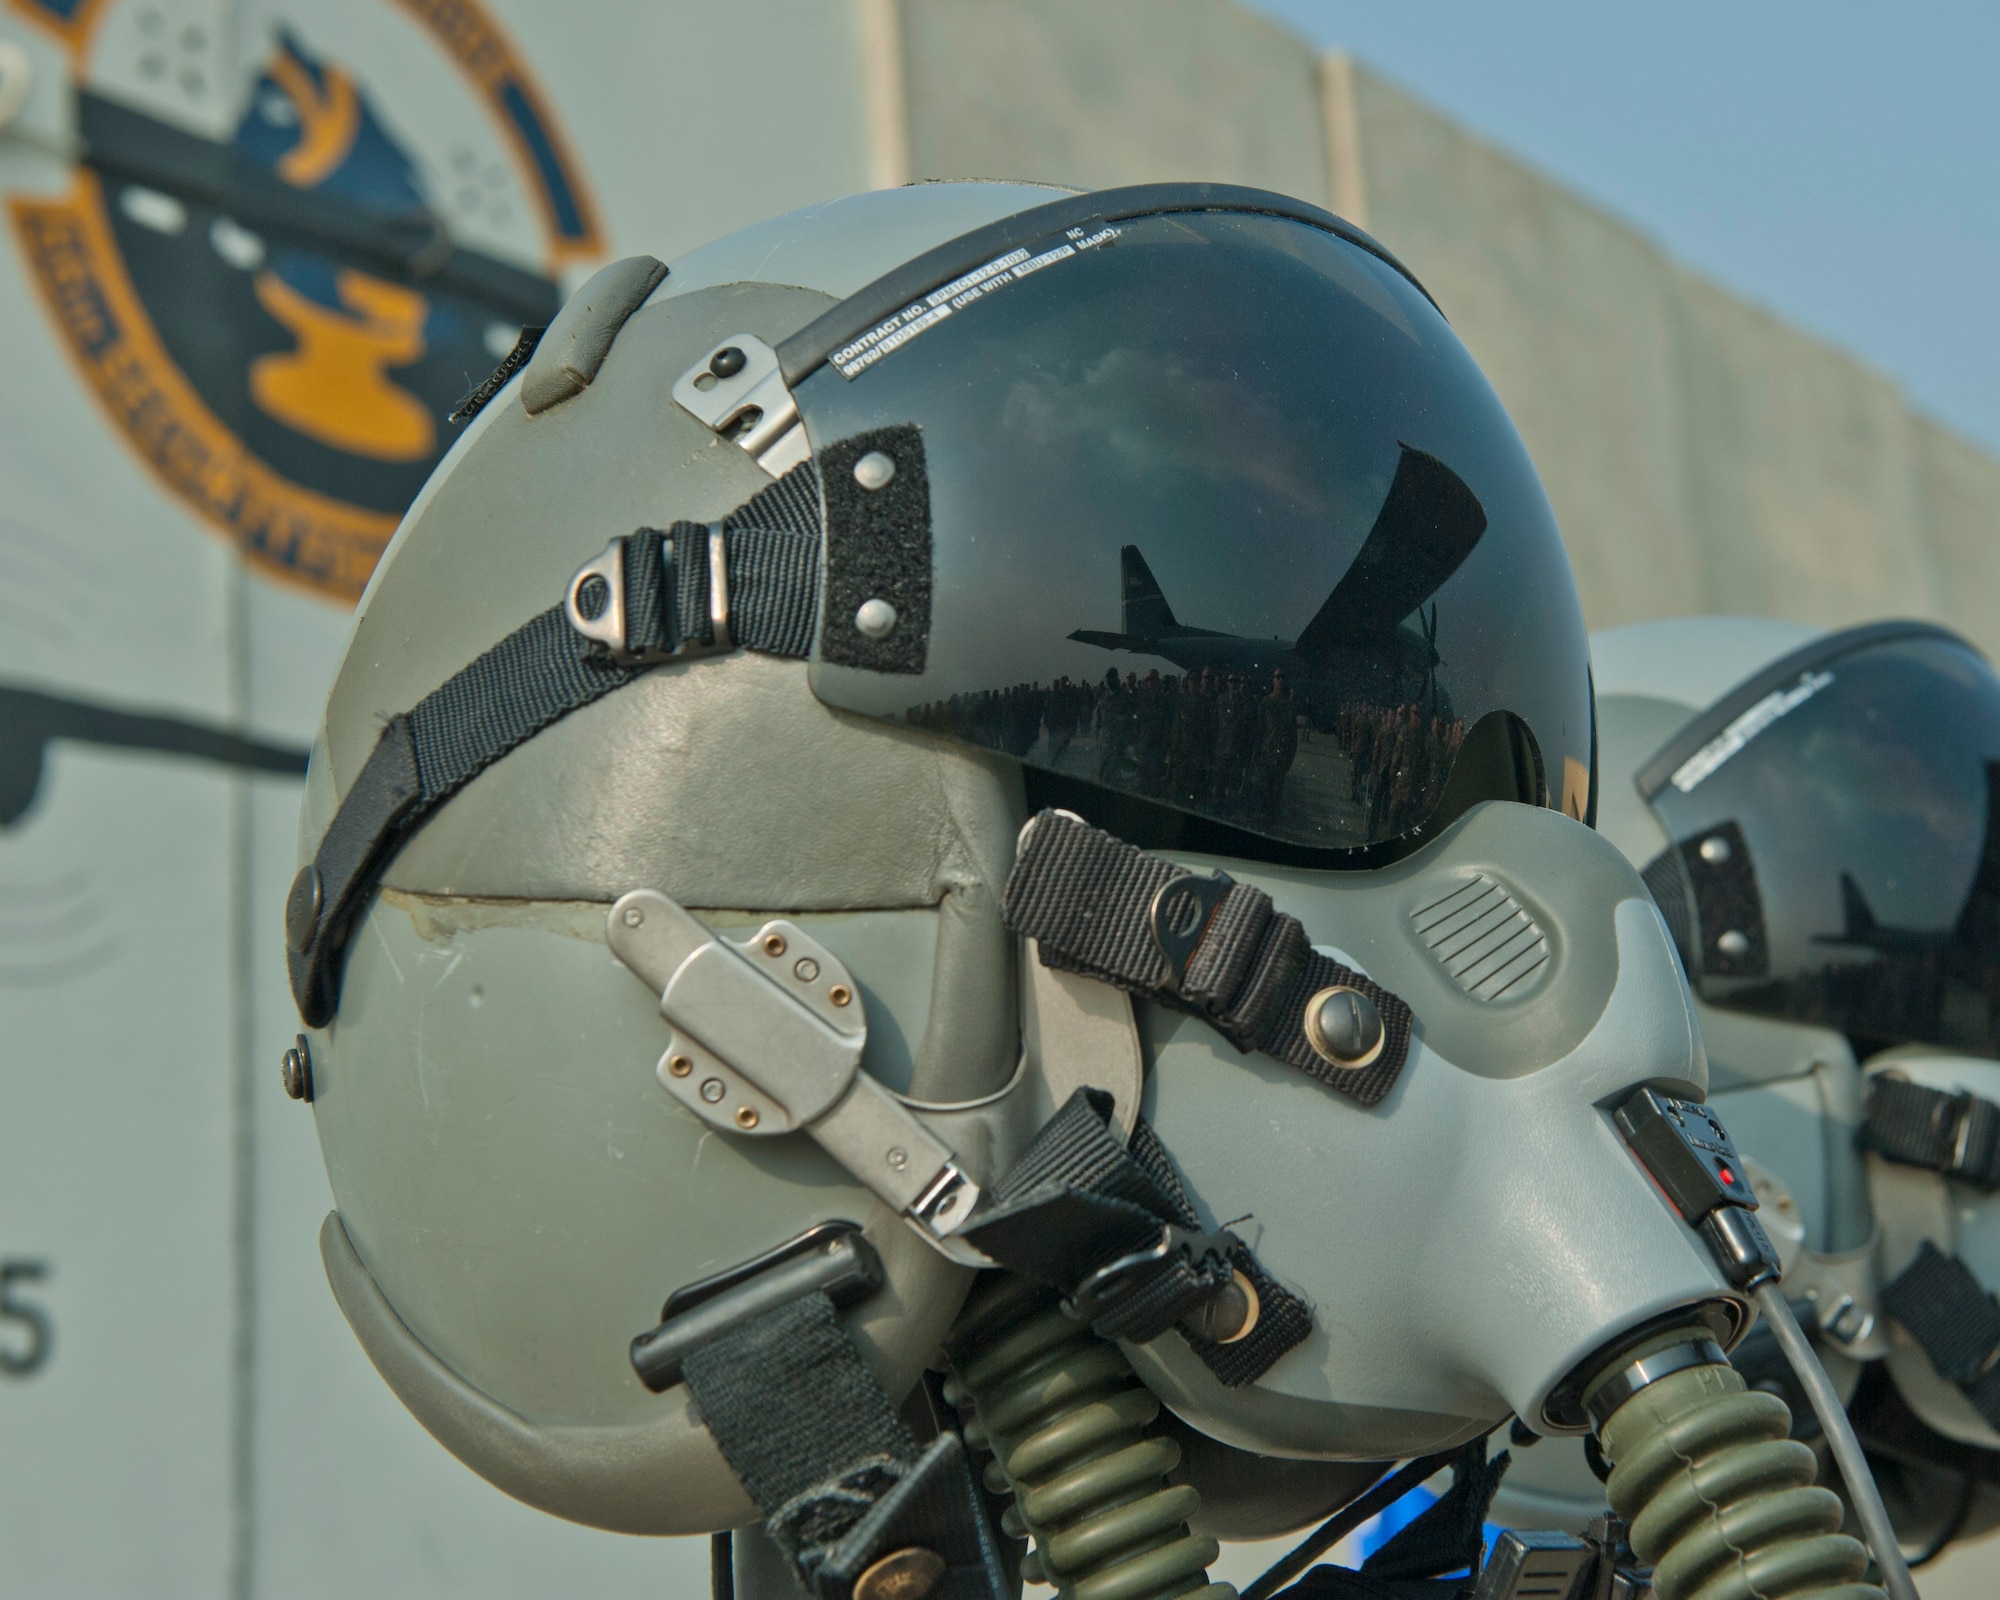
878,552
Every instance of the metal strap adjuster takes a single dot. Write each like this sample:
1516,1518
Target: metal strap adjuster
1969,1126
1135,1295
598,604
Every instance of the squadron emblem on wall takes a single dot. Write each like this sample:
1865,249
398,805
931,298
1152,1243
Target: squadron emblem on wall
296,236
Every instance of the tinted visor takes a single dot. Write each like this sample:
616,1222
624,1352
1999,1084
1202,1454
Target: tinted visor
1837,841
1223,517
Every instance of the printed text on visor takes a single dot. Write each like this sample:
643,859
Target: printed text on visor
1836,827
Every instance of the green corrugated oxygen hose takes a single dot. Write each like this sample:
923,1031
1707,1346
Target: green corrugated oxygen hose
1066,1420
1721,1502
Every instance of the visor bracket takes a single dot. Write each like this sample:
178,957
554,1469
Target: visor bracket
738,391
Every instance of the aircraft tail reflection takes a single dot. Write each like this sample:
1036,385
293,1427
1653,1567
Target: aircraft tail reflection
1342,734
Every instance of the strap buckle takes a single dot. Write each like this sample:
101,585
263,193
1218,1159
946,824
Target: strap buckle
1969,1126
598,605
1107,1293
830,1257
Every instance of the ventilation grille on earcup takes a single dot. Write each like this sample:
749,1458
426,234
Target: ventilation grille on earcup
1480,935
1666,881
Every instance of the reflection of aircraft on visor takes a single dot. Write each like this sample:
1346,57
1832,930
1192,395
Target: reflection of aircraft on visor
1356,642
1964,950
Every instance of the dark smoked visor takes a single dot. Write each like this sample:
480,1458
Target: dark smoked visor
1225,518
1836,828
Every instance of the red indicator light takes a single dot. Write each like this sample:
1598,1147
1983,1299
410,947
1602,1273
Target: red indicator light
1726,1176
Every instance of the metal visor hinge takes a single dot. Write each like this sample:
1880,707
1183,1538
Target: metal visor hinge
767,1038
737,390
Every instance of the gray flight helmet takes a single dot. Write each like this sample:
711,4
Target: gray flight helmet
1672,696
516,1190
496,1251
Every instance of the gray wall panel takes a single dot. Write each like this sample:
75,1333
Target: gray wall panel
1798,471
115,1170
1115,92
1572,315
1957,499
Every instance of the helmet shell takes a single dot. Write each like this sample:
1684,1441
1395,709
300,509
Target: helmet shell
516,1196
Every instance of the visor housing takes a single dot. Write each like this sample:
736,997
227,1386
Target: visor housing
1836,828
1223,518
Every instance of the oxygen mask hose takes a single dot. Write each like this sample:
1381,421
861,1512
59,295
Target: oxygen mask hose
1721,1502
1854,1471
1717,1474
1066,1419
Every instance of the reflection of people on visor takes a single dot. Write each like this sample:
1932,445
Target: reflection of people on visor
1223,735
1837,828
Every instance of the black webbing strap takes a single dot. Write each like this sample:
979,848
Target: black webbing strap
841,1481
534,677
1213,946
1956,1322
1111,1226
1448,1535
1954,1134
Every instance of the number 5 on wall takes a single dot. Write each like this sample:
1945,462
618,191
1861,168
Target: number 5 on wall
28,1353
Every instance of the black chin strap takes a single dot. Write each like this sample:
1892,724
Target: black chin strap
841,1481
1112,1227
1955,1321
1957,1135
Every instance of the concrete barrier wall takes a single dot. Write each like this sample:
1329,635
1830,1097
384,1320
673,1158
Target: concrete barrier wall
1701,454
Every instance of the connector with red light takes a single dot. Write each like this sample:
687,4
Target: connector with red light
1688,1153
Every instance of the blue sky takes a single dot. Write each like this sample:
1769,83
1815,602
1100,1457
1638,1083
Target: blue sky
1838,163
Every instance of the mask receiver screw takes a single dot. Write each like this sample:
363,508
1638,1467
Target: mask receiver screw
1343,1027
747,1118
840,994
679,1066
774,944
875,618
907,1574
726,362
1229,1314
874,470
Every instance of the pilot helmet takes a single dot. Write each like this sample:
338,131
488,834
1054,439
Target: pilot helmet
1815,813
978,726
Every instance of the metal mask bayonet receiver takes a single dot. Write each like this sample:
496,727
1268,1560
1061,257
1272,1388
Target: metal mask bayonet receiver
767,1039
